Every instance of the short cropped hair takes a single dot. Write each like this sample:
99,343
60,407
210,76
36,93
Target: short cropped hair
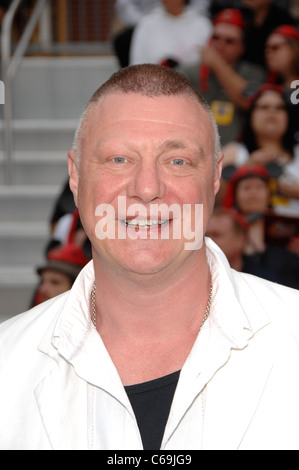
149,80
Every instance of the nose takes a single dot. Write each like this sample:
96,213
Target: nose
147,183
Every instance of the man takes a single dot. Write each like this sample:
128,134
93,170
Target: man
262,17
157,345
130,12
170,34
222,77
229,230
58,274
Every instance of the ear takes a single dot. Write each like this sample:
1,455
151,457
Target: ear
217,174
73,174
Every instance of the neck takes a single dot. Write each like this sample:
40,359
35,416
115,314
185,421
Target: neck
270,143
158,305
174,10
288,77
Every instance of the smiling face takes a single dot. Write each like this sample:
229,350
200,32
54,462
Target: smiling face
147,151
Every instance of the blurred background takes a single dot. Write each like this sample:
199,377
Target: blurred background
69,54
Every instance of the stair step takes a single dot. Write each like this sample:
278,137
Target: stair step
27,203
41,134
37,167
17,288
15,299
23,243
19,276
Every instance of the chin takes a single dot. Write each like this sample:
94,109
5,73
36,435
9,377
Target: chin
147,259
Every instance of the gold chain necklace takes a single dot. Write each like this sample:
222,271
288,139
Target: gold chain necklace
94,315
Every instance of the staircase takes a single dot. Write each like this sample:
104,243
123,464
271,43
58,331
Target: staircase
49,95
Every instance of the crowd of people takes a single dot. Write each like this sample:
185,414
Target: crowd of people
243,59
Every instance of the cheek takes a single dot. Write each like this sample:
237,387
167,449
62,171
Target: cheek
284,123
254,122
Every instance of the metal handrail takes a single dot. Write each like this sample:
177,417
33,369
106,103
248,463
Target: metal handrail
10,65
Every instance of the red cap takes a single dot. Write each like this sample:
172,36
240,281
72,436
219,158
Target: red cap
69,253
266,87
287,31
242,172
230,16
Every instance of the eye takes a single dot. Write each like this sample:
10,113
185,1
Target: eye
119,160
178,162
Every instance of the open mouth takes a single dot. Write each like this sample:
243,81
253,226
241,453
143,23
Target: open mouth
145,224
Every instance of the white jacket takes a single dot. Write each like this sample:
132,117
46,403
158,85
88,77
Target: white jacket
239,388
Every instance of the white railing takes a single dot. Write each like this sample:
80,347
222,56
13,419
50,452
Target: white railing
9,65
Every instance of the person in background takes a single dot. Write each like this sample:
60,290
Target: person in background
249,193
60,272
170,35
282,61
130,12
262,17
268,139
282,55
229,230
223,78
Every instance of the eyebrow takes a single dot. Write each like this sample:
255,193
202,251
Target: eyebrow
179,145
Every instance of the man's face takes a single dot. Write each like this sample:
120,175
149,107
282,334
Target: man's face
228,41
53,283
145,151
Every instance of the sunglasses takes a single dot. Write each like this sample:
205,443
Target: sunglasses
274,47
227,40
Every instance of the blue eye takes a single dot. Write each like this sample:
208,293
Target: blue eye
119,159
178,162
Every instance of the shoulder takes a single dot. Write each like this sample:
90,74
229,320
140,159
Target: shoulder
191,13
149,19
278,301
29,327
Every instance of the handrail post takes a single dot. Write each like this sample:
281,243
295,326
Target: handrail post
9,67
7,110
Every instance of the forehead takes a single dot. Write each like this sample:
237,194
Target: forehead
275,39
268,96
228,30
135,104
251,181
126,113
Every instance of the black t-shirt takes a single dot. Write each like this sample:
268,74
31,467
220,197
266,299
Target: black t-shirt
151,402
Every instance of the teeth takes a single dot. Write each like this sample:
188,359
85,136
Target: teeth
144,223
